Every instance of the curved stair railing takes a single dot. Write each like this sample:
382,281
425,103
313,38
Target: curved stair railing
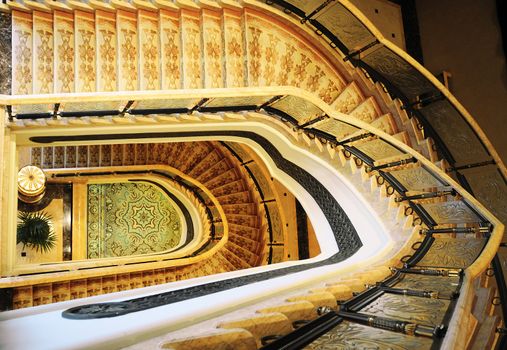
449,218
468,153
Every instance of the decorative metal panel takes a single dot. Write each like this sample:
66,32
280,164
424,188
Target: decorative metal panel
32,108
70,107
412,309
399,72
336,128
455,132
490,188
238,101
345,26
416,178
166,103
378,149
502,255
456,253
239,150
276,222
307,6
443,285
298,108
349,335
261,180
456,212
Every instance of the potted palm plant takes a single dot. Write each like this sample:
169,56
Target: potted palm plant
36,231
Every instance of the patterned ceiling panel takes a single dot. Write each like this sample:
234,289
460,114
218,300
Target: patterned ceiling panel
70,107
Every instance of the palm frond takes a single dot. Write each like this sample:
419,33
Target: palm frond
36,231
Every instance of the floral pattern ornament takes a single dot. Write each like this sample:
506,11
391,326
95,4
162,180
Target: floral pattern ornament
130,219
66,54
172,55
108,59
87,59
150,53
213,51
234,56
23,73
129,53
192,53
255,55
45,61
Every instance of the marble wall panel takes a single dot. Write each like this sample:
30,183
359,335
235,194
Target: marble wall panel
6,57
22,53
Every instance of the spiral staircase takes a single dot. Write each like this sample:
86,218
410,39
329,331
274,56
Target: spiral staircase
322,98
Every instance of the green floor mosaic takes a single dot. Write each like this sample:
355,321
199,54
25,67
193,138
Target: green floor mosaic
130,218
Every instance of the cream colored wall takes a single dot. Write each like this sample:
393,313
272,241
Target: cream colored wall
386,16
463,37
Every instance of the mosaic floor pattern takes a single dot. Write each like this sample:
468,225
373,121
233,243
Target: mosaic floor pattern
130,218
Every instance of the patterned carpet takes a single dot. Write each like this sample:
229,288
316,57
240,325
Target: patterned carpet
130,218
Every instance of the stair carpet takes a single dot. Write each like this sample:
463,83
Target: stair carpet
218,44
206,162
449,251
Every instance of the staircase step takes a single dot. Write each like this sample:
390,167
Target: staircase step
245,231
323,299
348,99
243,220
236,261
240,208
223,179
218,340
246,243
235,198
199,151
296,311
262,326
205,164
229,188
215,170
249,257
340,292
